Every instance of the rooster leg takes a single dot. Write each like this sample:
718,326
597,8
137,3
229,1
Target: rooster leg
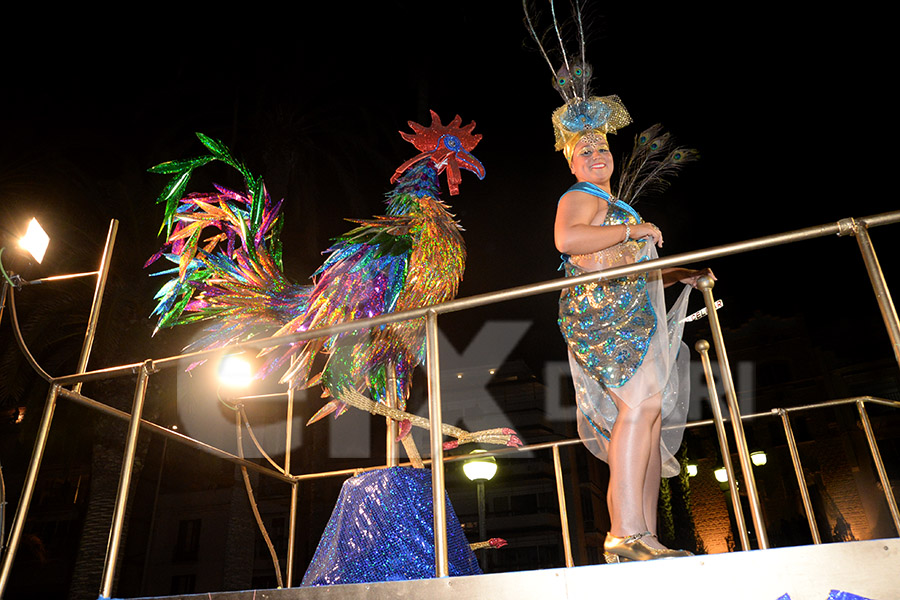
491,543
501,436
413,452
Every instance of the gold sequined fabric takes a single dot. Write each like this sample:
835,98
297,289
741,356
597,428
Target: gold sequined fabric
608,325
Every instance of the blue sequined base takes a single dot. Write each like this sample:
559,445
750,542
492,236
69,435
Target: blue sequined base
381,530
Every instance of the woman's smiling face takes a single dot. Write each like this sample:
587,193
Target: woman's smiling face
592,161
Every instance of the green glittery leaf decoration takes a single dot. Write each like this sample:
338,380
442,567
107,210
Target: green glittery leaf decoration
171,194
172,317
221,152
247,237
258,194
276,243
218,149
177,166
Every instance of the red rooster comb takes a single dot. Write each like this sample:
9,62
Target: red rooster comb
448,146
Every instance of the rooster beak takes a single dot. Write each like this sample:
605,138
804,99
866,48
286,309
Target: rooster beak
468,162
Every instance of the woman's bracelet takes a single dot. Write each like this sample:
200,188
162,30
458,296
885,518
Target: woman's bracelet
627,232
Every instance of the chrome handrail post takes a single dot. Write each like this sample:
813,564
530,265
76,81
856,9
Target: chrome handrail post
438,495
879,464
702,346
102,274
392,448
34,466
705,284
563,513
292,536
118,521
798,471
879,284
292,516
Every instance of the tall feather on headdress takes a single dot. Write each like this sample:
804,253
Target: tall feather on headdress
655,157
582,112
573,75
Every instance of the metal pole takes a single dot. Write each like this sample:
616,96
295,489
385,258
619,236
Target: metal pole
102,273
34,466
2,483
438,495
879,465
292,516
482,524
292,536
801,478
392,448
882,294
289,432
702,346
705,284
3,297
115,532
563,513
174,435
492,297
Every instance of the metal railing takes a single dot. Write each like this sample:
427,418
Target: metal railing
857,228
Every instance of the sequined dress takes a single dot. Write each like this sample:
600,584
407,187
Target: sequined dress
617,341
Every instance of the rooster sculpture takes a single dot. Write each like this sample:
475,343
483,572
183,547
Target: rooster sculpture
229,273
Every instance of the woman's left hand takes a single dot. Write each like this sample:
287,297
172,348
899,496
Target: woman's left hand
686,276
693,276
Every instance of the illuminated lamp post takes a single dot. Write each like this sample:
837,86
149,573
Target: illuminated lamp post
35,242
480,470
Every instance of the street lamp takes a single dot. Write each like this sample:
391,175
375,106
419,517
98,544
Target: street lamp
480,470
758,458
721,475
35,240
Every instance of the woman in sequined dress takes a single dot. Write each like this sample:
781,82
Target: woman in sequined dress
629,371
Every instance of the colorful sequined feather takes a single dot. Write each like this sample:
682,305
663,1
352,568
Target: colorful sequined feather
229,271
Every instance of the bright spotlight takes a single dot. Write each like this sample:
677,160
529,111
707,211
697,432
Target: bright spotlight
35,240
721,475
692,470
235,371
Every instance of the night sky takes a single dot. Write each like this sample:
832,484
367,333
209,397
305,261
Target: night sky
773,98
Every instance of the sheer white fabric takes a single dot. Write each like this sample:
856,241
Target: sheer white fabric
664,369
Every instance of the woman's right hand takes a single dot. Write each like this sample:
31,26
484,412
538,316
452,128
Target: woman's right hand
647,231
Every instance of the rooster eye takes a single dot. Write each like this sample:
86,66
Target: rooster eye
452,142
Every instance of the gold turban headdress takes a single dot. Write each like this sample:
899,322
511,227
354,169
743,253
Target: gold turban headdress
577,117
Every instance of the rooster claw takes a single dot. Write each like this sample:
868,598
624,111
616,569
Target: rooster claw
405,428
